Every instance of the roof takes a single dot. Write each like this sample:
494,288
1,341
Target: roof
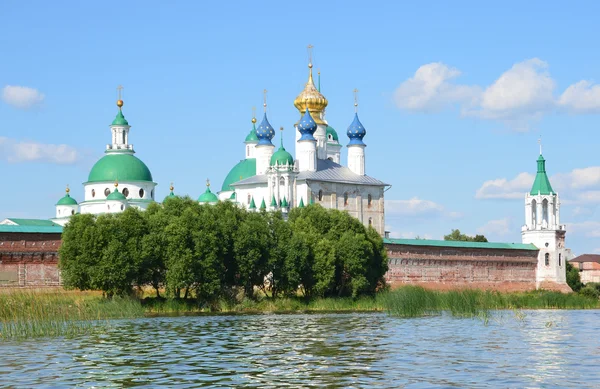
67,200
330,171
541,185
55,229
116,196
461,244
31,222
244,169
333,133
208,196
120,119
121,167
586,258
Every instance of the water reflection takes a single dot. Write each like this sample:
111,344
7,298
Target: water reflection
329,350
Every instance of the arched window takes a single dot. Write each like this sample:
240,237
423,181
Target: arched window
141,193
533,212
248,151
547,259
559,260
125,192
345,198
249,198
370,221
106,191
545,211
281,181
369,200
72,212
93,193
152,194
320,195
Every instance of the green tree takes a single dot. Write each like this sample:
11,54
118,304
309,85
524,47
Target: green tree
79,252
573,278
251,249
455,234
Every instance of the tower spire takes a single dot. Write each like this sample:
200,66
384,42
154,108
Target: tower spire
265,100
355,100
540,143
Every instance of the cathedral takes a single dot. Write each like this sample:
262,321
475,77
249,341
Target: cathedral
266,179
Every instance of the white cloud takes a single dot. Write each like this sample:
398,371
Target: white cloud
588,177
581,97
501,188
499,227
18,151
590,229
430,89
21,96
413,207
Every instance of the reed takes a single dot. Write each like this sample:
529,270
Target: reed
30,313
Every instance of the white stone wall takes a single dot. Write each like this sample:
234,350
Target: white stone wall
263,158
66,210
95,202
549,242
307,155
356,159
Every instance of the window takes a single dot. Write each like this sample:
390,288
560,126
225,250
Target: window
152,194
320,195
345,198
122,207
369,200
559,260
93,193
125,192
329,137
249,198
370,221
108,207
106,191
72,212
141,193
547,259
281,181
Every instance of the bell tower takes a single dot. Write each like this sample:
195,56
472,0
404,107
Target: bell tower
543,229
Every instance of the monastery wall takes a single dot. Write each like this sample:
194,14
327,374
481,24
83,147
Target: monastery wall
443,268
29,259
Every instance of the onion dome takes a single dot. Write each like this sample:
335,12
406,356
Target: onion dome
310,98
67,199
120,119
263,205
121,166
252,204
541,185
265,132
251,137
307,126
301,205
208,196
331,135
356,132
281,157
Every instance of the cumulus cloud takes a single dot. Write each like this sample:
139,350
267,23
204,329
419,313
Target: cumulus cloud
15,151
522,94
502,188
581,97
21,97
413,207
499,227
431,89
590,229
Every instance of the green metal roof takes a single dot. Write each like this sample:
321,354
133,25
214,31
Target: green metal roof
252,203
333,133
252,138
208,196
263,205
116,196
56,229
67,200
541,185
119,166
33,222
282,157
120,119
460,244
246,168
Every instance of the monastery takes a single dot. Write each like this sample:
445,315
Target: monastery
276,180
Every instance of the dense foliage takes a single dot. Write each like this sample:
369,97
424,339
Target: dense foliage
573,278
209,252
456,235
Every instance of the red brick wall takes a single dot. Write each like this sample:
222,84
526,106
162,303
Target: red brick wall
459,268
29,259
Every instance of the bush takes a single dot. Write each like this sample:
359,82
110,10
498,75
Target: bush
590,290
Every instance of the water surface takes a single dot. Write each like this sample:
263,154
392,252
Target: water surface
543,349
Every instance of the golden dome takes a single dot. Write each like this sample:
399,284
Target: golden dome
312,99
119,103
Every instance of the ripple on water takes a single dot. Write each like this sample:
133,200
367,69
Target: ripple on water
544,349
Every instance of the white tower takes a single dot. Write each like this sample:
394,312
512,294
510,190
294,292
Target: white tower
543,229
356,147
281,179
306,145
65,208
251,140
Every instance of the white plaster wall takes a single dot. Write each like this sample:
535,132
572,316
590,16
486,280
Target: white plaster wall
263,158
250,150
133,187
555,240
334,152
321,136
356,159
66,210
307,155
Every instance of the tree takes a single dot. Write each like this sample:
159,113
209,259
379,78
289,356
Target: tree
456,235
573,278
251,249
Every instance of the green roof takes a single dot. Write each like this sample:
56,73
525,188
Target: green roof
169,196
263,205
301,205
460,244
282,157
252,138
246,168
333,133
232,197
273,202
541,185
67,200
208,196
116,196
252,203
121,167
55,229
33,222
120,119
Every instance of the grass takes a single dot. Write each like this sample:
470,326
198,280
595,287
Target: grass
413,301
33,313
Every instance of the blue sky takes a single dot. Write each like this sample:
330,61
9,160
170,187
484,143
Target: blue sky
453,97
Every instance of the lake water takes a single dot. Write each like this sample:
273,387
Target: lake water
543,349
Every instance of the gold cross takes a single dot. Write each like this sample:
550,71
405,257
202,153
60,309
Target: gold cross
207,182
253,112
265,99
119,89
309,48
355,99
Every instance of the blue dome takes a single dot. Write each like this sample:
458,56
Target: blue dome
356,132
265,132
307,126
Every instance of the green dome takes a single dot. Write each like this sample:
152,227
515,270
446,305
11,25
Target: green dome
120,119
252,138
244,169
282,157
67,200
116,196
119,166
208,197
333,133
